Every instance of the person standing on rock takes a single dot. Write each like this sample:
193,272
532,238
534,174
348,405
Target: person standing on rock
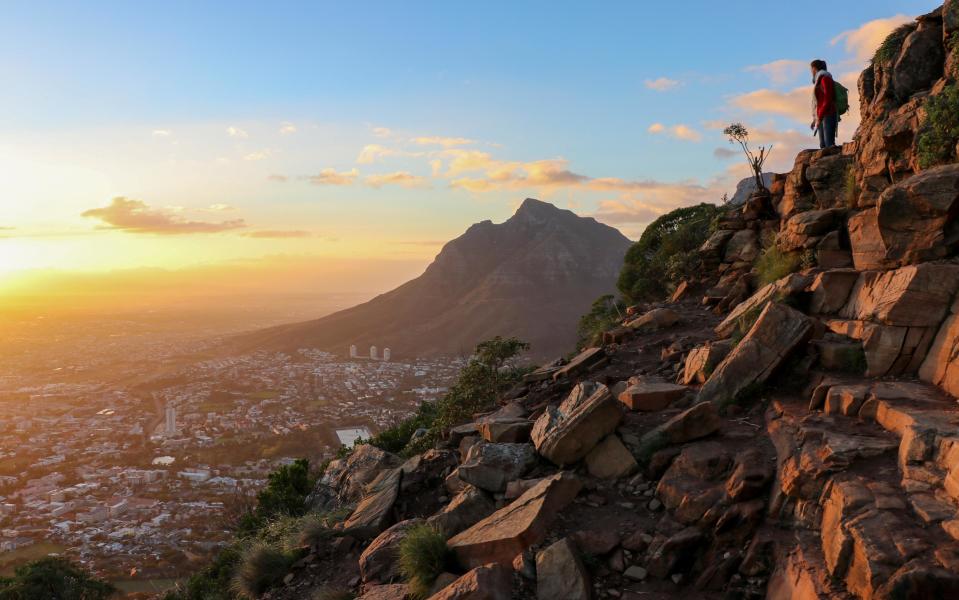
825,116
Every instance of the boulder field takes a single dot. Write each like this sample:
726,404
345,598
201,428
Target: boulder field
791,440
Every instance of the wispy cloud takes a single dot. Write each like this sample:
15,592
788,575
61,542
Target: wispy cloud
382,132
661,84
236,132
278,234
286,128
446,142
863,41
334,177
135,216
680,132
278,178
161,133
795,104
781,72
258,155
373,152
400,178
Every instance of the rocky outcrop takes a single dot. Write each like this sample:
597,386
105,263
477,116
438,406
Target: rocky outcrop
565,434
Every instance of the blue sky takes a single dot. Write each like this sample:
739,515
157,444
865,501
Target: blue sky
614,110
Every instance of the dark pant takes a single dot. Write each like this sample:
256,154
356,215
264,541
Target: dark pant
827,131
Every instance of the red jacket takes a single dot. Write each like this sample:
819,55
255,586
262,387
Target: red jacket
825,97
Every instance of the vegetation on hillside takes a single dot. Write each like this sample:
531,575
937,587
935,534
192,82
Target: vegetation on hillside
54,578
940,130
666,253
491,371
773,264
423,556
605,313
890,47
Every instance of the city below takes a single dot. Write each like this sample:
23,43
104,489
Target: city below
139,478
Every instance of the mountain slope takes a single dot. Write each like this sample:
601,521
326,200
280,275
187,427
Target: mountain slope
530,277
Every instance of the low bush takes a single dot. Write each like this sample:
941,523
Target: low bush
891,46
284,495
666,253
261,567
773,264
605,314
940,130
55,578
423,555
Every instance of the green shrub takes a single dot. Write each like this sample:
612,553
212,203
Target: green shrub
261,567
55,578
666,253
773,264
423,556
940,131
398,436
284,495
892,45
605,314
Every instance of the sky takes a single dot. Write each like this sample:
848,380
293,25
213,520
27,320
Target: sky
358,137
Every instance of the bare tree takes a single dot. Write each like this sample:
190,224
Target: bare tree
738,134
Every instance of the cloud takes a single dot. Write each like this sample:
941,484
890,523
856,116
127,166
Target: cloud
332,177
661,84
373,152
626,212
781,72
236,132
277,234
162,133
446,142
286,128
258,155
382,132
400,178
135,216
863,41
795,104
278,178
680,132
219,207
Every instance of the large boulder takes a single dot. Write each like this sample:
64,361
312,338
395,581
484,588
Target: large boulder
914,221
582,362
561,574
830,290
702,360
349,476
698,421
777,332
485,582
566,433
920,61
941,363
467,508
788,286
610,459
374,513
805,229
379,560
654,320
509,531
743,246
491,466
917,295
651,395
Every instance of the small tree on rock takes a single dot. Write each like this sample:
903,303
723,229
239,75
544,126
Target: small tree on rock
738,134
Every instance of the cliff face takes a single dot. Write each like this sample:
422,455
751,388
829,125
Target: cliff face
793,440
530,277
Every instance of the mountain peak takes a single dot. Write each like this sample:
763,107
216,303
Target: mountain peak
532,206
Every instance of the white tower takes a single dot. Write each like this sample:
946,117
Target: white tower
373,352
170,420
353,353
386,354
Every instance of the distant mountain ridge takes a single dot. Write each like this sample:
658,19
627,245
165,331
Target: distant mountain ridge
531,276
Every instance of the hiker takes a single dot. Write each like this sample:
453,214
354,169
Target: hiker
825,115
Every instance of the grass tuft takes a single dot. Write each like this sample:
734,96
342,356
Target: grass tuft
423,556
262,567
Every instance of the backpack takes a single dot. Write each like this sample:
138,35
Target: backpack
842,98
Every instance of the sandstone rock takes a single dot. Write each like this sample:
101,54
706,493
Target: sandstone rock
484,582
917,295
374,513
713,248
790,285
831,253
701,361
826,176
654,320
910,223
777,332
693,423
512,529
378,562
742,246
466,509
830,290
560,573
518,487
505,430
350,476
610,459
651,396
917,579
674,554
595,541
750,476
582,362
565,434
803,227
396,591
491,466
941,364
692,484
426,469
920,61
884,346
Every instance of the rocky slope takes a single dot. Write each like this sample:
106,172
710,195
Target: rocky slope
530,277
795,441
